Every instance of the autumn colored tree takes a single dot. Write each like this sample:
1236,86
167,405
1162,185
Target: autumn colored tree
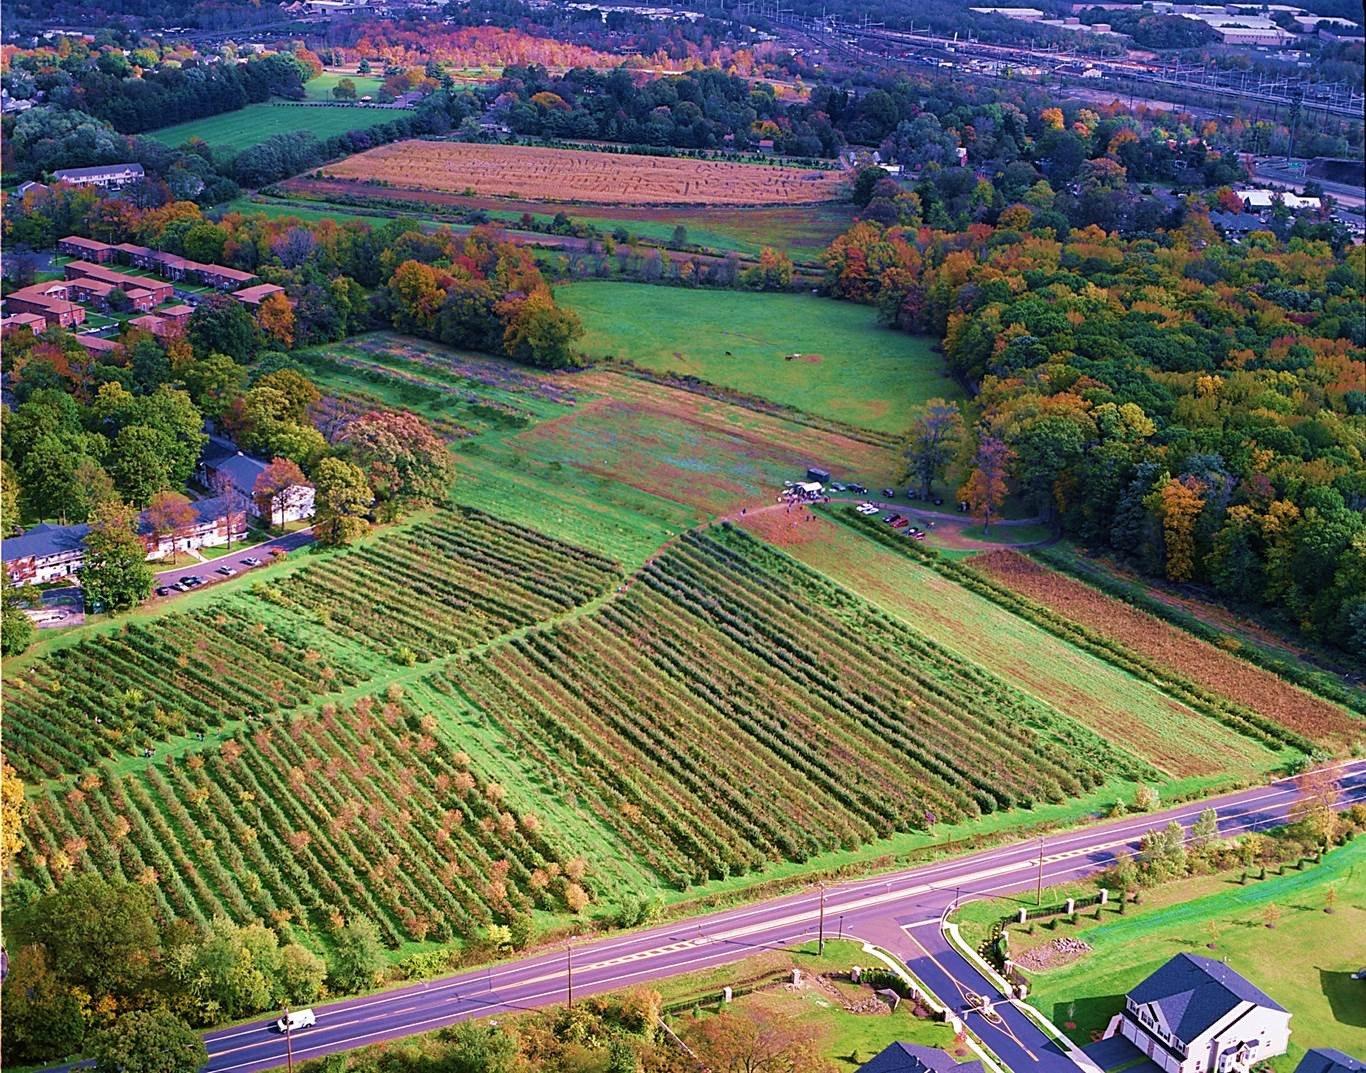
773,272
985,489
170,514
1315,809
403,460
749,1039
539,332
275,319
115,574
278,488
12,808
1178,504
934,440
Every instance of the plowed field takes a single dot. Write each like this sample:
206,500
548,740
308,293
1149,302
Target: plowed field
515,171
1259,690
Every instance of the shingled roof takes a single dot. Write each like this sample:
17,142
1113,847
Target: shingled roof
1195,992
912,1058
1327,1060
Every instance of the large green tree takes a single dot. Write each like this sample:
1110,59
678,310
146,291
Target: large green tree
148,1041
342,499
115,574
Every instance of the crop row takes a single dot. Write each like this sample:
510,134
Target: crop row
118,693
1217,706
732,708
445,584
330,813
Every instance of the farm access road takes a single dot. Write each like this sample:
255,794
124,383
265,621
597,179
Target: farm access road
899,912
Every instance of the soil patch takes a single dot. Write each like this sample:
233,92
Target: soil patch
1053,954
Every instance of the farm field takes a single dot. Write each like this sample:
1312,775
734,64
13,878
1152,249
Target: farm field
709,456
331,812
1164,732
699,715
1176,649
848,367
804,232
573,174
237,130
1322,997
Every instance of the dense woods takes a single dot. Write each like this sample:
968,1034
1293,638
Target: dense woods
1192,404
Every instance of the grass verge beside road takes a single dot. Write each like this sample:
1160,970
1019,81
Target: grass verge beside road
1218,917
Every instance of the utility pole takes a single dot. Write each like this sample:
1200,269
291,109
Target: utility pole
820,943
569,973
289,1042
1038,893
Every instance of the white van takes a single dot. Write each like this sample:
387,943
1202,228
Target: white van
297,1020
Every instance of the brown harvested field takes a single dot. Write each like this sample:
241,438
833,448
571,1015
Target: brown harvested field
1173,648
516,171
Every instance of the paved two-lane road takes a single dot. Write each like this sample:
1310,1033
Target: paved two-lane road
899,912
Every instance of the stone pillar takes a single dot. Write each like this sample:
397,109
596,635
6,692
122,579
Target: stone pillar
1023,915
726,994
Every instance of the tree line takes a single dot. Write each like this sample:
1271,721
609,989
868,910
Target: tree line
1191,405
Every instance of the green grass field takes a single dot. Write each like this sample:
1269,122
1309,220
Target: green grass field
320,88
848,366
237,130
1327,1005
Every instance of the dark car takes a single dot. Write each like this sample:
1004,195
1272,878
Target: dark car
889,493
938,501
859,489
163,590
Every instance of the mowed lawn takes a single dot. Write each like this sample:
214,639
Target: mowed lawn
257,122
816,354
320,88
1328,1006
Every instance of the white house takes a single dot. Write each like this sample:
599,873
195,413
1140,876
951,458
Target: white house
1196,1015
45,552
225,469
105,175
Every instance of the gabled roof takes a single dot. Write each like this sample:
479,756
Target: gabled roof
96,172
1194,992
1327,1060
912,1058
43,540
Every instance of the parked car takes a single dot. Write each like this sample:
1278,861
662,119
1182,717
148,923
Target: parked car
296,1020
900,523
1360,974
857,489
938,501
889,493
226,571
163,590
194,580
251,560
835,486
